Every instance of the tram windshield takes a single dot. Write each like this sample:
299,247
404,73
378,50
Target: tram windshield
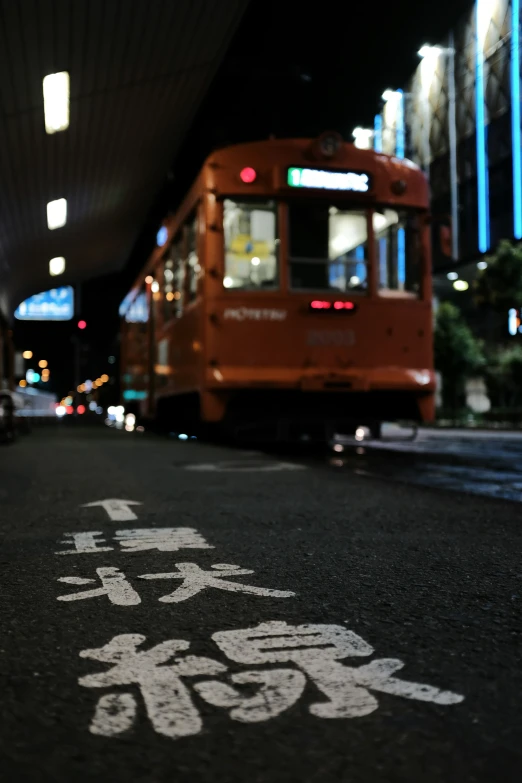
251,245
329,249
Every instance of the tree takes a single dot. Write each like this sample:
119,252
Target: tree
499,286
458,353
504,377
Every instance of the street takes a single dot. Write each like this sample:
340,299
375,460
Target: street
177,611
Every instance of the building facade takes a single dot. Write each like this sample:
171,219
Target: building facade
459,118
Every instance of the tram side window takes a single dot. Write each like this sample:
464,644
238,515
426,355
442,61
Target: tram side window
328,247
173,282
397,253
251,245
193,266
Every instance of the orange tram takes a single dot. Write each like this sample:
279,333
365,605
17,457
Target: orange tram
288,297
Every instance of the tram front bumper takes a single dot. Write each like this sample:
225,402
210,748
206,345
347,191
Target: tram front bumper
358,379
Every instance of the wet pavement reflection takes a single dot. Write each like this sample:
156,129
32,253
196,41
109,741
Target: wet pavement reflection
483,463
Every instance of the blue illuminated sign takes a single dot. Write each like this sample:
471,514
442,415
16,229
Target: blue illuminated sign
54,305
377,133
401,260
400,133
162,236
134,308
515,119
482,19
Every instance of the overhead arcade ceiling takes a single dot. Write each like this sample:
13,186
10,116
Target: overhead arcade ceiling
138,71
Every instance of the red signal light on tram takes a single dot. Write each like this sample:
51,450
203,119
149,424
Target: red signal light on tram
248,175
338,305
317,304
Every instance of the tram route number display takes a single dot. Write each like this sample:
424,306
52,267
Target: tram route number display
355,181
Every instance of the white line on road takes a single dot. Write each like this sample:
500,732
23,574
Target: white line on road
118,510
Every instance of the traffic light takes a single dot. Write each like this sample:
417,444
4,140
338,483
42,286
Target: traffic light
82,324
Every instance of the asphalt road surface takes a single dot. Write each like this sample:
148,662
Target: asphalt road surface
252,617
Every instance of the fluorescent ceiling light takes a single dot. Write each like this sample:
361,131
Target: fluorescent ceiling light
56,101
57,213
57,266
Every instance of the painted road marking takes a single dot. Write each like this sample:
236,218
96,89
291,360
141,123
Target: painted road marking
120,592
295,654
313,652
251,466
118,510
195,579
114,585
164,539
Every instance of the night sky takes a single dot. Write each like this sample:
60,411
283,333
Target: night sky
292,69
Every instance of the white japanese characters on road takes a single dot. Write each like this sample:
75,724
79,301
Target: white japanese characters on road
300,658
118,510
194,579
164,539
308,653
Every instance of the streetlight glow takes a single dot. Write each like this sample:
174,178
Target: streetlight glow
363,138
427,50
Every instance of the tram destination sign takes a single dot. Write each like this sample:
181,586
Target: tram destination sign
320,179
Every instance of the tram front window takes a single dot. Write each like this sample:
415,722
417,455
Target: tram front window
328,248
251,245
397,252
